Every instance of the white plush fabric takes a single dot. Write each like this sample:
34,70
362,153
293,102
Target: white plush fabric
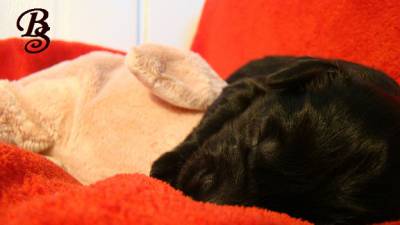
103,113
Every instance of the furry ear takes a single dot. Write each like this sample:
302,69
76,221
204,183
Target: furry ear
181,78
22,125
299,73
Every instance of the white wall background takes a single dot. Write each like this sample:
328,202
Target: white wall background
171,22
117,24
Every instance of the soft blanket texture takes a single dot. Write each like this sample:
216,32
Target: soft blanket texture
231,33
35,191
94,117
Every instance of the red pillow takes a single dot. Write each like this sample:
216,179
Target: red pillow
232,32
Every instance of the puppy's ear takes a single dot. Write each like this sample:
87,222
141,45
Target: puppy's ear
300,73
262,67
179,77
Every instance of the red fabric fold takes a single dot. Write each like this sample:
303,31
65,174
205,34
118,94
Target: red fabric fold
16,63
35,191
230,33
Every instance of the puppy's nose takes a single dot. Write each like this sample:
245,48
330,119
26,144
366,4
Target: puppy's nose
220,200
217,201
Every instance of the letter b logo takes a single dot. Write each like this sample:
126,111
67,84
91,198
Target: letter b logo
37,16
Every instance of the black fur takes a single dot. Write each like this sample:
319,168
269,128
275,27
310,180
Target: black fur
317,139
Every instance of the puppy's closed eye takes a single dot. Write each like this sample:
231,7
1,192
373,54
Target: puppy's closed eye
199,184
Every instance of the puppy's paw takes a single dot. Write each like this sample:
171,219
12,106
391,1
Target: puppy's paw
179,77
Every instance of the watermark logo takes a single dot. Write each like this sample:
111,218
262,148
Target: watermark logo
37,27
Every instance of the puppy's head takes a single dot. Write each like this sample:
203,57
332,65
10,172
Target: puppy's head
314,138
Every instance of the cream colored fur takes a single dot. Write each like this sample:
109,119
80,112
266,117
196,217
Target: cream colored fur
98,115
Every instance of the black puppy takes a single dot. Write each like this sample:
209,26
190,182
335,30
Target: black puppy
317,139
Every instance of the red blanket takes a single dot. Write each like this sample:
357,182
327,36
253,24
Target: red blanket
35,191
365,31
